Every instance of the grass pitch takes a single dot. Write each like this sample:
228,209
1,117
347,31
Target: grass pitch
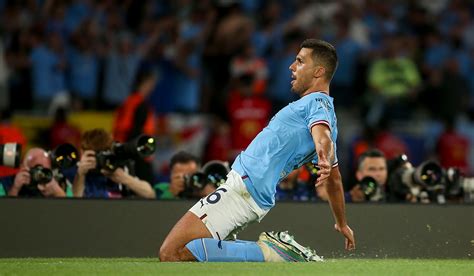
88,266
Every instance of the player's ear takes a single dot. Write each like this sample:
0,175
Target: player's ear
319,71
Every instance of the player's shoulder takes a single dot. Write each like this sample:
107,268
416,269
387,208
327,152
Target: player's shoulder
316,96
315,100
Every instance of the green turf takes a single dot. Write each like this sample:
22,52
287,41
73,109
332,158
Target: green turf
87,266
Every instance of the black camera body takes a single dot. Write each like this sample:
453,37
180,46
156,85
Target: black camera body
213,172
120,153
370,188
40,175
107,160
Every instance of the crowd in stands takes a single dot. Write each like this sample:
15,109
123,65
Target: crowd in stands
403,82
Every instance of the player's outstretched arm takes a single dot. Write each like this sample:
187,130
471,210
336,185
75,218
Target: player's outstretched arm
324,148
336,201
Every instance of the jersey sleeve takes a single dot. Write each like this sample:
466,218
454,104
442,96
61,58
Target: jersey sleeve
317,113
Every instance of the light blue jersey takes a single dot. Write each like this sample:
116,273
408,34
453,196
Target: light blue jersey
284,145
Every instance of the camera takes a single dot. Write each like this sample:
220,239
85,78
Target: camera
213,172
40,175
141,147
427,175
10,155
428,182
369,187
62,157
195,181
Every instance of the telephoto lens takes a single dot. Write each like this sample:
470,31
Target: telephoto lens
10,155
141,147
369,187
64,156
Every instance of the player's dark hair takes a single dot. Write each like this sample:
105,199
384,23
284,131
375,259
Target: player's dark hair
183,157
371,153
323,53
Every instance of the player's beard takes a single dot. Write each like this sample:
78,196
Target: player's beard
297,87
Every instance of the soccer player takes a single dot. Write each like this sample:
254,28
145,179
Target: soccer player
300,132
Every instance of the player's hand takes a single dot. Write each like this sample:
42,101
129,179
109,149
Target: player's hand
324,168
22,178
348,234
87,162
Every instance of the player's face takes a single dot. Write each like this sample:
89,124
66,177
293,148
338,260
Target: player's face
375,167
302,71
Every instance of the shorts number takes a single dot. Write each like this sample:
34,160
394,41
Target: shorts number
215,196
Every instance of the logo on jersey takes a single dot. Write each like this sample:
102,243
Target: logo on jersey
324,104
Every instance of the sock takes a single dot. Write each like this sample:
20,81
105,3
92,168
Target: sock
212,250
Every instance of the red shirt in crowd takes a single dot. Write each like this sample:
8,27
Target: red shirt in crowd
248,116
453,150
11,134
63,132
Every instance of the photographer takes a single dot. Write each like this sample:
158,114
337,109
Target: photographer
183,166
35,177
371,176
93,180
299,185
135,116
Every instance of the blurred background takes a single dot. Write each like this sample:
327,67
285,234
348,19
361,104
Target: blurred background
220,71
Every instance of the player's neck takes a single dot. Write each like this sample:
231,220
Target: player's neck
317,89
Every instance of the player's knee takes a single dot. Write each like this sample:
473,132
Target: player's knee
168,254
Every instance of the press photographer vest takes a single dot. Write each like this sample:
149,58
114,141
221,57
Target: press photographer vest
126,118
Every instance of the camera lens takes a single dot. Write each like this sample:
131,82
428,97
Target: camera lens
195,181
146,145
10,155
41,175
429,173
368,186
216,172
65,156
